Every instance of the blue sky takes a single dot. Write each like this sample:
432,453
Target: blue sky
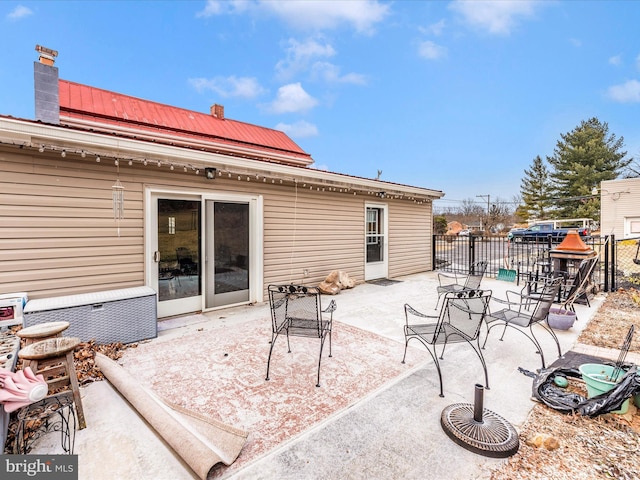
458,96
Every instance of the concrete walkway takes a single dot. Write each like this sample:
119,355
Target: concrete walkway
393,433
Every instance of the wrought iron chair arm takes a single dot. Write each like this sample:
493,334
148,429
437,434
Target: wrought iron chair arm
522,298
331,307
449,279
511,303
408,309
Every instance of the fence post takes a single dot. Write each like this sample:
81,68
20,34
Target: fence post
607,240
613,263
433,252
472,252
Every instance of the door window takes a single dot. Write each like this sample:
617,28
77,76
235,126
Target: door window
179,249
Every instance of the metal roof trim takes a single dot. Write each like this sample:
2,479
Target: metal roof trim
261,154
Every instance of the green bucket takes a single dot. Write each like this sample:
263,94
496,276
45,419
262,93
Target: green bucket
596,376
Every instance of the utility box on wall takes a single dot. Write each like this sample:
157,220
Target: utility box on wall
127,315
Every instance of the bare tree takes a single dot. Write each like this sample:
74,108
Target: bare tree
633,169
498,217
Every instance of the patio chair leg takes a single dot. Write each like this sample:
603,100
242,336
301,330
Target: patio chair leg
406,343
438,302
273,341
534,339
484,364
319,362
441,353
433,354
435,359
503,332
555,338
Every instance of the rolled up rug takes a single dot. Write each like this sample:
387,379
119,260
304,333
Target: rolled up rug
200,441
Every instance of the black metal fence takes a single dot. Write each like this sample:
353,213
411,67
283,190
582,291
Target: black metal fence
618,266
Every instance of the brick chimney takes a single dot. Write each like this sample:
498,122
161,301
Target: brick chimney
217,111
47,96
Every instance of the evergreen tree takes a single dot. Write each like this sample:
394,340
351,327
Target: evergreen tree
440,224
581,160
536,191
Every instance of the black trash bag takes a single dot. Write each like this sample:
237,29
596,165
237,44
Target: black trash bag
545,390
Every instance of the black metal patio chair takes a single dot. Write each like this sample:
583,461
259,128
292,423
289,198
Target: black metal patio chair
455,283
296,311
523,312
460,320
579,283
185,262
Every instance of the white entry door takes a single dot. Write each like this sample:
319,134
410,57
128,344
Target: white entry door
376,247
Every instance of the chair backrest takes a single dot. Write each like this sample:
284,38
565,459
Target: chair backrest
545,299
585,269
462,315
183,255
475,275
296,305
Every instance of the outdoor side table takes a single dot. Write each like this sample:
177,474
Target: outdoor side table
43,414
53,358
43,331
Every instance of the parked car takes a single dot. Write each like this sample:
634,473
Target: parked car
514,230
545,230
464,233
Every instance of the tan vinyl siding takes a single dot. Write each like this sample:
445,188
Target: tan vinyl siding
409,238
58,235
317,231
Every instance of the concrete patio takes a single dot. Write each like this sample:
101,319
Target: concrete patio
393,432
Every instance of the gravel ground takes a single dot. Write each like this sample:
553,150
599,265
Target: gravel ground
561,446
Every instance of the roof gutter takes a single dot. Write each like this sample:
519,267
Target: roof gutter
32,134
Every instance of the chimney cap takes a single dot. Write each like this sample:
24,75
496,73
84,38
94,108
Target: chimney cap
47,55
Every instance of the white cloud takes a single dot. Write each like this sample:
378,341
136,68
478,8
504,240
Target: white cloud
243,87
303,56
435,29
299,55
496,17
331,73
291,99
628,92
220,7
616,60
362,15
301,129
431,50
575,42
19,12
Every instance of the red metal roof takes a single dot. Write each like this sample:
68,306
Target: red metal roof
82,102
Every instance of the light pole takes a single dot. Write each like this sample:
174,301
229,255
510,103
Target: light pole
488,201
